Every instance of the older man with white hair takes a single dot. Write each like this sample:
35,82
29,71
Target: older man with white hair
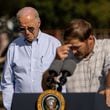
28,57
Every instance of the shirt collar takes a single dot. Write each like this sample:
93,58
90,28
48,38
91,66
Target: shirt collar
38,37
95,45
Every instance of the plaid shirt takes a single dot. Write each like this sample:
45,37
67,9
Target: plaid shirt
90,73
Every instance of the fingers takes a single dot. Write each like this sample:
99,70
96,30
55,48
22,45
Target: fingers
102,92
107,92
62,51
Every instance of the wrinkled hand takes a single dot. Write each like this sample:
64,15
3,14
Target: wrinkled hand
106,92
62,51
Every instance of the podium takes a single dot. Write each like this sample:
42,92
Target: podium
74,101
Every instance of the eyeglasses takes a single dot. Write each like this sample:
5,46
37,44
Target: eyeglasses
30,29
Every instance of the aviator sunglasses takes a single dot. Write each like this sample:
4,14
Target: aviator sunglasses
30,29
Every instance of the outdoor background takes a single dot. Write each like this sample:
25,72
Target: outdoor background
55,14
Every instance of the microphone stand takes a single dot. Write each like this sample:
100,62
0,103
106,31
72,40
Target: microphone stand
53,84
63,80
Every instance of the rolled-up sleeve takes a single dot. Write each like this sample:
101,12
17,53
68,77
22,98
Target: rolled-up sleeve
107,57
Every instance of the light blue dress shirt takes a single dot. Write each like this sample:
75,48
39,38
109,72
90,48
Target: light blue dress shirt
25,65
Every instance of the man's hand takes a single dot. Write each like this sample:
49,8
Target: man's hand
106,93
62,51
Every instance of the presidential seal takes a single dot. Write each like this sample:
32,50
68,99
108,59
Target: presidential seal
51,100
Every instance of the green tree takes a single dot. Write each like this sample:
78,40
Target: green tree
55,13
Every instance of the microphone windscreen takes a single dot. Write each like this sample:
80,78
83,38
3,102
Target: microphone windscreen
68,67
56,67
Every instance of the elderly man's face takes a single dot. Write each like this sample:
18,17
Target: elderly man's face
29,26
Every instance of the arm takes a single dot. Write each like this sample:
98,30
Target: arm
62,51
7,81
106,69
107,89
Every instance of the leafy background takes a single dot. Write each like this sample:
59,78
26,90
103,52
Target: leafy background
56,13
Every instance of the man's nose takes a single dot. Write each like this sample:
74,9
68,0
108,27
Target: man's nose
26,31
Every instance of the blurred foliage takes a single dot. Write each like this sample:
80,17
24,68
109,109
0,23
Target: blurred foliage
55,13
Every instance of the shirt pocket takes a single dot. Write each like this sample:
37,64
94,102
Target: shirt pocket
46,62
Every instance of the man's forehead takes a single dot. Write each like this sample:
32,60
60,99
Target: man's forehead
26,19
27,16
75,42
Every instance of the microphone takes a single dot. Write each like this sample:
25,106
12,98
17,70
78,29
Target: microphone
58,67
55,67
67,70
54,71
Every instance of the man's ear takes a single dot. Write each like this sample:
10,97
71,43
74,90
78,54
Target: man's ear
91,37
39,23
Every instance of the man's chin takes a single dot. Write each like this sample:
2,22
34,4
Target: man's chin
29,40
79,57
